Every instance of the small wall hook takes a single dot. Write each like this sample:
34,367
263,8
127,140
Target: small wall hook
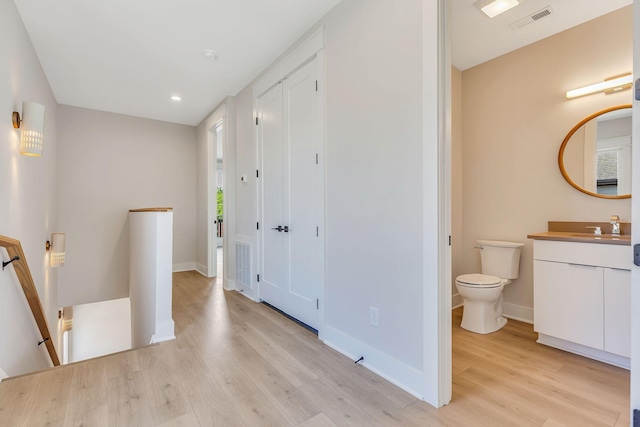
4,264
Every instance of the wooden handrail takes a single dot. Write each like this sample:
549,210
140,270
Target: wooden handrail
14,248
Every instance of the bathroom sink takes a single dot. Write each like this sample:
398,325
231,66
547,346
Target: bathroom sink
569,236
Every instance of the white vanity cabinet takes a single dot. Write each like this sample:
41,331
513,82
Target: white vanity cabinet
582,298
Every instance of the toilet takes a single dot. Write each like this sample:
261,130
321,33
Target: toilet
482,293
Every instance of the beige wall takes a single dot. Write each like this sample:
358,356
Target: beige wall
107,164
456,182
514,118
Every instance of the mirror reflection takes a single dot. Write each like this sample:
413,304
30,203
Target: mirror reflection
595,157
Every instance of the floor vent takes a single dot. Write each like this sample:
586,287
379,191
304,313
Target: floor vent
243,263
536,16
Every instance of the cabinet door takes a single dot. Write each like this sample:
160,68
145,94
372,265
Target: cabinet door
617,311
568,302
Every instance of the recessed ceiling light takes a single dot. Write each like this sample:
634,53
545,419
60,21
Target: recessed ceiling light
176,98
209,54
493,8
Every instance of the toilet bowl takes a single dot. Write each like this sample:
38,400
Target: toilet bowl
482,296
482,293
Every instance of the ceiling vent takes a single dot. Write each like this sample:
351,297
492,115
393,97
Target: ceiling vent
536,16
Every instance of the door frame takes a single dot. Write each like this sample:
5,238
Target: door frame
635,218
218,118
312,48
437,342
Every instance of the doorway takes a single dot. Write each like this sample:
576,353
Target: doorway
216,138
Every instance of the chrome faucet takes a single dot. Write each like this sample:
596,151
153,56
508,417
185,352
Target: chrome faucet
615,225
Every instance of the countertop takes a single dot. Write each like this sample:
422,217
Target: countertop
569,236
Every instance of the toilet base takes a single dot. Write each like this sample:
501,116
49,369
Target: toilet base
481,323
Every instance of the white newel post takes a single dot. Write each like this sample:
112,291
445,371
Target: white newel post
150,280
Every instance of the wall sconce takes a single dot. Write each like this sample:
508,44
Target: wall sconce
56,246
31,128
610,85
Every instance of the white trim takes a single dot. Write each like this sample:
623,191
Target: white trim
246,295
201,268
436,225
517,312
184,266
229,284
299,56
404,376
213,121
591,353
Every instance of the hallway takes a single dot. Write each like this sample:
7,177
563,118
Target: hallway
238,363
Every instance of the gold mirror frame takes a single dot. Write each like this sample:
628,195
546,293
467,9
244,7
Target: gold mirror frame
564,144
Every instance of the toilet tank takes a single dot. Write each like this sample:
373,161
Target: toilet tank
500,259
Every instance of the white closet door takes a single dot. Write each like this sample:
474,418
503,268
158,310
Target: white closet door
302,198
272,268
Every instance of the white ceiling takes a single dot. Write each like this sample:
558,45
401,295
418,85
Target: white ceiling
477,38
130,57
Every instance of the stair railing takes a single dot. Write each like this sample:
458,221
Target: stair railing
19,263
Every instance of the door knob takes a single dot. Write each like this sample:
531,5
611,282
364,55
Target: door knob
278,228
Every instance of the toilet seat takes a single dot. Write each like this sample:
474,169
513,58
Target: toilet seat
477,280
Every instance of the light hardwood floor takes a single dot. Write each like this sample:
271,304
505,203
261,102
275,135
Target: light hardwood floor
238,363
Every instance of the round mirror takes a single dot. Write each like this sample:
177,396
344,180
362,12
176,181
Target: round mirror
595,156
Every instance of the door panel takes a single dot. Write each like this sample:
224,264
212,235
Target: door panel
272,249
301,199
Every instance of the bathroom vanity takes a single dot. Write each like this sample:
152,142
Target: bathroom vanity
582,292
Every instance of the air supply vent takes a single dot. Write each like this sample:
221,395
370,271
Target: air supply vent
243,263
536,16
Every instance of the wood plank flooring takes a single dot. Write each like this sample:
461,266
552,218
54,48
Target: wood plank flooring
238,363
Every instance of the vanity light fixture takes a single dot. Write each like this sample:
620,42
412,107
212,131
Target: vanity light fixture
609,85
31,128
56,246
493,8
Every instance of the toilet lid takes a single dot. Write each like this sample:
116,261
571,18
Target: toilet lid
479,280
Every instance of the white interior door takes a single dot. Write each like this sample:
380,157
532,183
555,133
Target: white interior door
291,198
271,259
302,196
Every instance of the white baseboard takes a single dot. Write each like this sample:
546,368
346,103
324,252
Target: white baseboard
456,301
202,269
517,312
394,371
246,295
184,266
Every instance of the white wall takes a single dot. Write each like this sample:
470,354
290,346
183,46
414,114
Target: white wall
107,164
514,117
27,194
374,185
100,328
246,210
